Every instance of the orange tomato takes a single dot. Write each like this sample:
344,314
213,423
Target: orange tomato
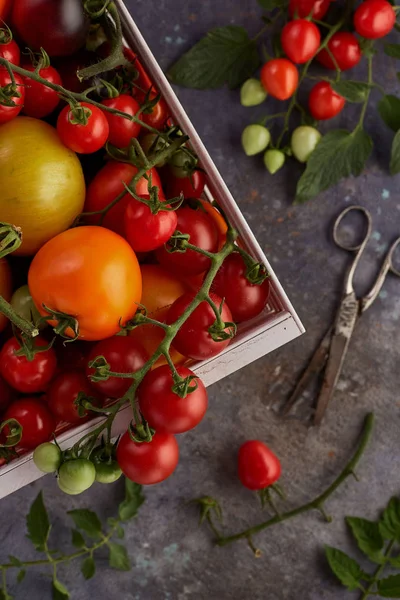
160,290
4,8
218,219
5,288
90,273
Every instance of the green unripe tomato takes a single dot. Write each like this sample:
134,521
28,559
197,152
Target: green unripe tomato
274,160
252,93
76,475
107,468
304,141
47,457
255,139
151,144
23,305
65,489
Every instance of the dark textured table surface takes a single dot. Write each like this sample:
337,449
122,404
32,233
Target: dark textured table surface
173,560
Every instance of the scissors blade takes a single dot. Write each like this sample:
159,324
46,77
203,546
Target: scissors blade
343,330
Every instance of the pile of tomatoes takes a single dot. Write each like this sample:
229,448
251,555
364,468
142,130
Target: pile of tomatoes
85,269
301,42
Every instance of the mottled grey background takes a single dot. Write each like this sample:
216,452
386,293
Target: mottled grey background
173,560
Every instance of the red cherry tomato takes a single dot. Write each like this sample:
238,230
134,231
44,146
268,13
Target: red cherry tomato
258,466
9,48
374,19
63,392
203,233
83,139
245,300
148,462
7,113
165,410
37,422
124,355
305,8
190,187
194,338
6,395
300,40
346,50
146,231
27,376
279,77
106,186
324,103
41,100
122,130
159,114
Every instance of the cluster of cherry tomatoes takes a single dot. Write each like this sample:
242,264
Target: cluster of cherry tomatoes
88,281
301,42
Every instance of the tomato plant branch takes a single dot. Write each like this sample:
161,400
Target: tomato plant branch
378,571
318,502
368,93
23,325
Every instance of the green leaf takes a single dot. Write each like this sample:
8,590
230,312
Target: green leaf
346,569
88,567
389,587
352,91
368,537
271,4
389,109
395,561
21,575
14,561
87,520
119,558
134,498
392,50
224,55
120,532
37,522
389,523
395,156
338,154
77,539
5,596
60,592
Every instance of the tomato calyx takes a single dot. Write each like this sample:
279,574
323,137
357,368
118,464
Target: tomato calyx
78,114
102,369
28,347
85,403
95,8
256,272
153,200
64,322
183,385
208,507
13,434
6,35
140,431
220,331
266,496
7,94
40,60
10,238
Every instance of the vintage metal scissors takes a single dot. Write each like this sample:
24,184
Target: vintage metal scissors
331,352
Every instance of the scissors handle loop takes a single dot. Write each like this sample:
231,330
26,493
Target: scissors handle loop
337,226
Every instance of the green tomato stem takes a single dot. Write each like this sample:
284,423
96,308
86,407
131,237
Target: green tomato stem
376,574
368,94
23,325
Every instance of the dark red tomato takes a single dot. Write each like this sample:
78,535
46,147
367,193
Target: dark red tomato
258,466
374,19
193,338
63,392
10,51
124,355
72,356
346,50
41,100
27,376
300,40
7,113
324,103
58,26
122,130
84,139
6,395
68,67
159,114
165,410
203,233
245,300
146,231
305,8
5,6
279,77
38,424
190,187
148,462
106,186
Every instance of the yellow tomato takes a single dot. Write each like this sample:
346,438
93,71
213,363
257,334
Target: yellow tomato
42,185
5,287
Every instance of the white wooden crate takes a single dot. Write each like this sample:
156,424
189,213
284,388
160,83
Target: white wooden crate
273,328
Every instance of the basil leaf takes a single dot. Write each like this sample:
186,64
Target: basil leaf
119,558
352,91
224,55
338,154
389,587
389,109
395,158
88,567
346,569
368,537
87,520
37,522
133,500
389,523
392,50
